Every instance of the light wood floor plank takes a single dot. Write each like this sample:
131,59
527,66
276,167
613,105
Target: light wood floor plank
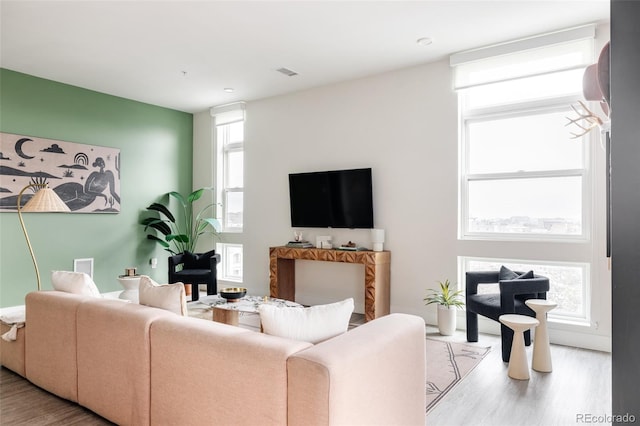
579,384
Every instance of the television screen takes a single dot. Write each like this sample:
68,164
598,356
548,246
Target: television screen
331,199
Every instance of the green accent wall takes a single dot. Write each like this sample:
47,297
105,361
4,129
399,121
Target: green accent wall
156,147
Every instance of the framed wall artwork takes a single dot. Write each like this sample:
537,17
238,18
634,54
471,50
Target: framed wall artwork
85,177
83,265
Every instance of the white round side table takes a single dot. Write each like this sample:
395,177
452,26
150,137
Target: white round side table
518,365
541,350
131,284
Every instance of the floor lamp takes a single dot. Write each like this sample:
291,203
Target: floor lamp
44,200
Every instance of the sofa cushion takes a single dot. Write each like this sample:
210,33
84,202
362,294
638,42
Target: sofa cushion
313,324
170,297
74,282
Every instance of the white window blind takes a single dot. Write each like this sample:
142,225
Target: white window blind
229,113
534,56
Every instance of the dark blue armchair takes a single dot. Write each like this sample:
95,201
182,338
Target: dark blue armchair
510,300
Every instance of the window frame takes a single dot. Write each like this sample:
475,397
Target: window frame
509,110
223,249
555,316
223,150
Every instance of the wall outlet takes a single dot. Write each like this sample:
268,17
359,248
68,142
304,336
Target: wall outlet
153,262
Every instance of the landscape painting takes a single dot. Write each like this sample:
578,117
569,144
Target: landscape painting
85,177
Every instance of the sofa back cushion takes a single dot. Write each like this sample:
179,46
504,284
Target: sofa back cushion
217,374
313,324
113,359
171,297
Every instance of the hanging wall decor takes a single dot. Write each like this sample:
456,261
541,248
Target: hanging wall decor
85,177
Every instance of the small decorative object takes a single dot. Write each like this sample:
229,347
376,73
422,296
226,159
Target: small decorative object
130,272
447,299
297,236
323,241
233,294
377,238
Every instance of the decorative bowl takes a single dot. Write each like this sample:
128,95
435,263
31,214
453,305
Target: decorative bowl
233,294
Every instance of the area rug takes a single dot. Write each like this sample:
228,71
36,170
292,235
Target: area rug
447,364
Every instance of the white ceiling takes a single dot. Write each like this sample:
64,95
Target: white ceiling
182,54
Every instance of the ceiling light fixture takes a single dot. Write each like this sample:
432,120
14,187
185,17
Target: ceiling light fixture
424,41
228,89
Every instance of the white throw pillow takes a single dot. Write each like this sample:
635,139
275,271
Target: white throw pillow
74,282
313,324
166,296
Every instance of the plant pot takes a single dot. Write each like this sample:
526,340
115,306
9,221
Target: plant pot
446,320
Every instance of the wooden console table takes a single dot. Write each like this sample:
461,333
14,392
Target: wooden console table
377,274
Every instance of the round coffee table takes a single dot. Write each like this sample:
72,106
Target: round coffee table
230,312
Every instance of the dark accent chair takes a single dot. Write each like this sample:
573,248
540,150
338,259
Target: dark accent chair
510,300
195,269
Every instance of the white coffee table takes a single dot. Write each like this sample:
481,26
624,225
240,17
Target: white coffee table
230,312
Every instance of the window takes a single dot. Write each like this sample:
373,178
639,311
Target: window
229,160
231,261
521,173
230,169
522,177
570,287
525,187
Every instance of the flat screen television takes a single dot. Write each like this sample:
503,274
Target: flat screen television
331,199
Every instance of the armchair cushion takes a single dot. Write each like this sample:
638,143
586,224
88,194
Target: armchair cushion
507,274
197,261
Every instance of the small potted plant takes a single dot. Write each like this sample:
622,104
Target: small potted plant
448,299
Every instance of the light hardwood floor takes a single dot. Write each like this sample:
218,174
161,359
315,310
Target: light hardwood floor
579,385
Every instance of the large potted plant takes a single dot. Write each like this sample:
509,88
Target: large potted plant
180,234
448,299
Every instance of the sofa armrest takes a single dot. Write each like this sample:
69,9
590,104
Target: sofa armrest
374,374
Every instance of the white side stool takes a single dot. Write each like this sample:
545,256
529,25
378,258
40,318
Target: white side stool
541,350
131,285
518,365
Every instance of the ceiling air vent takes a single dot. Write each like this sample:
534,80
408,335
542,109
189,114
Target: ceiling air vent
287,72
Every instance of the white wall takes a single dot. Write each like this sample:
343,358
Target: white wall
399,124
402,124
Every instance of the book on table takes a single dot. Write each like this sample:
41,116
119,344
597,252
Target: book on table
300,244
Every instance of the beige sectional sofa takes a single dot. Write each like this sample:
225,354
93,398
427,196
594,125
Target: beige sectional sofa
138,365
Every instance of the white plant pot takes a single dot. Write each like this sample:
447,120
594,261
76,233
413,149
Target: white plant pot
446,320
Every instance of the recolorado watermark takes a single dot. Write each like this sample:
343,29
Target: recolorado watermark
605,418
